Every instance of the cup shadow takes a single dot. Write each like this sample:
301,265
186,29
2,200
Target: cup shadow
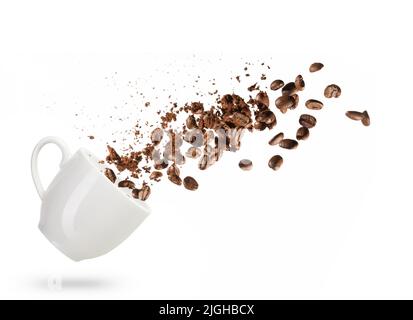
73,283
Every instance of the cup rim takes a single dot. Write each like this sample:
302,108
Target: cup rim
94,162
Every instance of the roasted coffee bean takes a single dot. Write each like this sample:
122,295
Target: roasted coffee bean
307,121
302,133
299,83
197,108
175,179
204,162
193,152
190,183
135,193
266,116
316,66
262,97
245,164
314,104
260,126
288,144
126,184
276,84
240,120
156,175
332,91
144,193
110,175
156,136
113,156
173,170
161,164
366,119
275,162
190,122
289,89
276,139
296,100
355,115
285,102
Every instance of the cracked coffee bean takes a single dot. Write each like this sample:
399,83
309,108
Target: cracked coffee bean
275,162
276,84
245,164
190,183
299,83
276,139
175,179
332,91
288,144
366,119
156,175
126,184
110,175
173,170
289,89
302,133
142,194
308,121
313,104
316,66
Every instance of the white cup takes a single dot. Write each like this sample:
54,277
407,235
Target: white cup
83,213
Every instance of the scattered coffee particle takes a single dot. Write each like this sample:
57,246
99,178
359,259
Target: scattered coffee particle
313,104
126,184
308,121
175,179
366,119
147,104
316,66
276,139
91,137
156,175
332,91
276,84
110,175
275,162
254,87
288,144
299,83
190,183
355,115
302,133
245,164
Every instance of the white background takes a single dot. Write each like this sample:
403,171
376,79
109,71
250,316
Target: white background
334,222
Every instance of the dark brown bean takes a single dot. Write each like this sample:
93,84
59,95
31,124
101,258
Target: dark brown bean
366,119
285,102
126,184
175,179
173,170
135,193
302,133
299,83
156,136
190,183
262,97
142,194
260,126
245,164
288,144
316,66
332,91
161,164
110,175
156,175
313,104
275,162
308,121
266,116
355,115
276,139
289,89
276,84
204,162
190,122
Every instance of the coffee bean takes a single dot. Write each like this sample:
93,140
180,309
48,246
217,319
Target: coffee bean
275,162
366,119
307,121
193,152
126,184
110,175
204,162
161,164
197,108
135,193
260,126
313,104
190,183
262,97
266,116
296,100
144,193
355,115
245,164
289,89
156,136
276,84
332,91
173,170
302,133
156,175
288,144
299,83
175,179
276,139
285,102
316,66
190,122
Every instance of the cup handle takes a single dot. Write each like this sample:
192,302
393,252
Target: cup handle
35,172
